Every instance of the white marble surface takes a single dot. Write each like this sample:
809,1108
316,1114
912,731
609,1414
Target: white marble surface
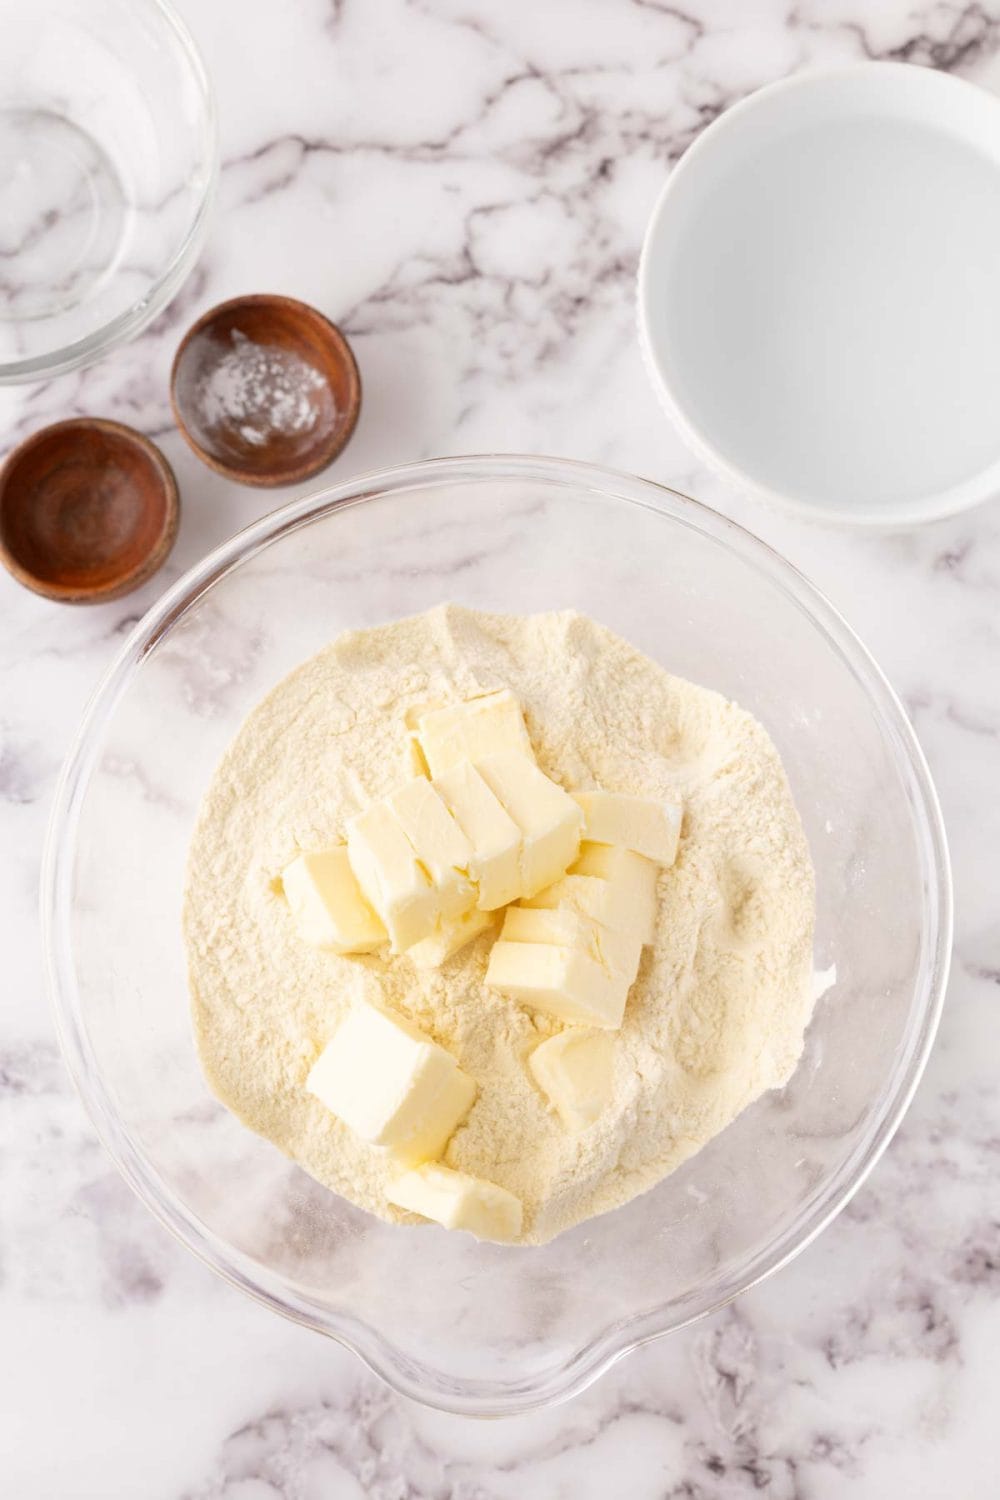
463,185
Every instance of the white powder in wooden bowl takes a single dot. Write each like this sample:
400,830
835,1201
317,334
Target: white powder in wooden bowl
260,392
716,1015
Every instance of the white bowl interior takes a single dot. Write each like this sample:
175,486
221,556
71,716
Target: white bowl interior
475,1326
819,293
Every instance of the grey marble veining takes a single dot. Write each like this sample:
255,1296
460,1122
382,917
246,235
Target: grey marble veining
464,187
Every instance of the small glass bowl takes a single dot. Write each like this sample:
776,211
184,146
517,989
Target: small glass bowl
108,159
478,1328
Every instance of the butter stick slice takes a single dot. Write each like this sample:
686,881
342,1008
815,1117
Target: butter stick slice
391,1084
327,905
560,982
458,1201
493,834
549,820
618,952
449,939
632,876
613,906
574,1070
466,731
438,842
394,882
646,825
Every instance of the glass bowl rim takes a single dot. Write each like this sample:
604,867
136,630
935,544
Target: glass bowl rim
126,325
432,1387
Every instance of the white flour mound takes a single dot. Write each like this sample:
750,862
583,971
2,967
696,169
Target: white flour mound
716,1015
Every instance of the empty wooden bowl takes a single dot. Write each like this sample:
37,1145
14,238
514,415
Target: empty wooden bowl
88,510
265,390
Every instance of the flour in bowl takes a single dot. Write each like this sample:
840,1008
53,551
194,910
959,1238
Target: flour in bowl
715,1017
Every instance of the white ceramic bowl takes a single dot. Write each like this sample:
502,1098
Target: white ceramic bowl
478,1328
819,294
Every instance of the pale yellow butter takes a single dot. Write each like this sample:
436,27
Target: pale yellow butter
575,1071
642,824
561,982
548,818
633,878
565,928
326,903
458,1201
438,842
493,834
431,952
391,877
619,952
466,731
392,1084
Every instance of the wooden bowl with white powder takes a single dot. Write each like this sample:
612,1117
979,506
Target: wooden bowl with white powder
265,389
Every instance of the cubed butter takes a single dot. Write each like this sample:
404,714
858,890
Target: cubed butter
493,834
466,731
561,982
565,928
394,882
574,1070
392,1084
643,824
613,906
548,818
632,876
438,842
326,903
618,952
414,756
458,1201
431,952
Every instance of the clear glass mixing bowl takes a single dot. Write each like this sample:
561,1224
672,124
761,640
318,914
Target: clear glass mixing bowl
471,1327
107,164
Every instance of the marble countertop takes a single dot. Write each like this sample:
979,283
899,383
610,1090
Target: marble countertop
463,185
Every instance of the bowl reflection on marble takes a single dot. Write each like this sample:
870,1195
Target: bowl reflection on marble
469,1327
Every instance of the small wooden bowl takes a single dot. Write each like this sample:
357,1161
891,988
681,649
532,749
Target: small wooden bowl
88,510
265,390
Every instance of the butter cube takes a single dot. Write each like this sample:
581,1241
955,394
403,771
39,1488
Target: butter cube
326,903
391,1084
574,1070
470,730
587,895
549,820
565,928
391,877
431,952
494,836
618,952
633,877
642,824
458,1201
561,982
438,842
613,906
